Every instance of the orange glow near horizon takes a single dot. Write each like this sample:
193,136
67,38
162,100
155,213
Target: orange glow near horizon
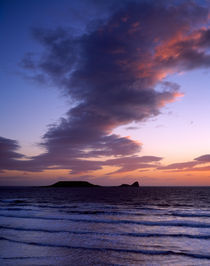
146,177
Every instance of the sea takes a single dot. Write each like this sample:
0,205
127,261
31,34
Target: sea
105,226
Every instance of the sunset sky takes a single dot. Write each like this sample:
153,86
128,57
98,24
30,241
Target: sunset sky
105,91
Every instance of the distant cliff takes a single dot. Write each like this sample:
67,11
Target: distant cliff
86,184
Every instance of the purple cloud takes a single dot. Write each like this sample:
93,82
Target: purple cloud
8,153
189,166
203,159
110,72
132,163
182,165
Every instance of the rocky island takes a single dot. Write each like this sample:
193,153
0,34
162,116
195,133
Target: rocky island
86,184
73,184
135,184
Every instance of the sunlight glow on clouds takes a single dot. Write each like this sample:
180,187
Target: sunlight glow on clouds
111,72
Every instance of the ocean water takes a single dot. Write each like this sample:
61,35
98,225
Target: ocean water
105,226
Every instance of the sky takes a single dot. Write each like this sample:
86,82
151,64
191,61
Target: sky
105,91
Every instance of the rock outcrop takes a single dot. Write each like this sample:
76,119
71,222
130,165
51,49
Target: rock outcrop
135,184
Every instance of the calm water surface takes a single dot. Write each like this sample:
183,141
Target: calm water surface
105,226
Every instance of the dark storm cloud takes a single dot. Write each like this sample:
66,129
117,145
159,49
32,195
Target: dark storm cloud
110,72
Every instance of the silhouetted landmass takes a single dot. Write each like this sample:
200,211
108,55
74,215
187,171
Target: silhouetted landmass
135,184
73,184
86,184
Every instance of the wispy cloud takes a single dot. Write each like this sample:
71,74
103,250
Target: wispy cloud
194,165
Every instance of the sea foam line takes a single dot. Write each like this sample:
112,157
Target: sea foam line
112,213
199,215
179,235
146,223
136,251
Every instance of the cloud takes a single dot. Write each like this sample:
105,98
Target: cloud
110,72
182,165
189,166
203,159
8,153
132,163
131,128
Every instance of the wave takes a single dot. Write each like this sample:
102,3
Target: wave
146,223
16,209
124,213
56,206
111,213
13,201
105,249
199,215
96,212
26,258
179,235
